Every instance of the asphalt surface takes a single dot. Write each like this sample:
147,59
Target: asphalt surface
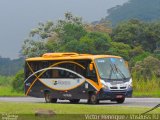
142,102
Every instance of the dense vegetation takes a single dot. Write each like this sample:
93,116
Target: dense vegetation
146,10
9,67
9,87
69,35
136,41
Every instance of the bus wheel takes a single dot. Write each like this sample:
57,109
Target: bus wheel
74,100
120,100
48,98
93,99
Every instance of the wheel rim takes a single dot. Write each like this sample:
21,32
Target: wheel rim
47,97
93,99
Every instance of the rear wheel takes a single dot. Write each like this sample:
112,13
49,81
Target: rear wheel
49,99
93,99
74,100
120,100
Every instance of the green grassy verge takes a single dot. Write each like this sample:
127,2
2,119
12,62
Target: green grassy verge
146,94
62,110
146,87
8,91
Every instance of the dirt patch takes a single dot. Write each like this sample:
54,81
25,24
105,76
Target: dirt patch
45,113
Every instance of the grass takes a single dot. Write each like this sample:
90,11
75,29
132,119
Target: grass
6,87
5,80
64,110
146,87
154,94
8,91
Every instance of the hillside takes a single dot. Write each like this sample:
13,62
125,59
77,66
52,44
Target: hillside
10,67
145,10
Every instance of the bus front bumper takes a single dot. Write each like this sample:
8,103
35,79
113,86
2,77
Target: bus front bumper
114,94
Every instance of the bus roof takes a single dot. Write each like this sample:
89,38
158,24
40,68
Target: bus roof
68,56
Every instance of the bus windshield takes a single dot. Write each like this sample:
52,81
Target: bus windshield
112,68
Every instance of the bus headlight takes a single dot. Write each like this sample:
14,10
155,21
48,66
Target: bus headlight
130,86
105,87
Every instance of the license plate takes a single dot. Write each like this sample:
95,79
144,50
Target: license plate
119,96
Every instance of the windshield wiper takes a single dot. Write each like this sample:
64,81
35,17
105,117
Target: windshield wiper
112,70
119,71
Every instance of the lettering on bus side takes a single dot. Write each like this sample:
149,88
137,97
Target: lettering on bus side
56,82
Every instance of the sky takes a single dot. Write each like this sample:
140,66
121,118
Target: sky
18,17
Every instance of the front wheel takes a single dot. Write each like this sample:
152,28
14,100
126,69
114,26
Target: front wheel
74,100
120,100
93,99
49,99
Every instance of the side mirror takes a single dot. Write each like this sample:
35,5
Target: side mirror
126,63
91,67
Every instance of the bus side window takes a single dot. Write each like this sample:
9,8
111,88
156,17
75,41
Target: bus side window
63,74
55,74
79,70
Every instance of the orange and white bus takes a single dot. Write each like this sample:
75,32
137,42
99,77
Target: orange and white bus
73,76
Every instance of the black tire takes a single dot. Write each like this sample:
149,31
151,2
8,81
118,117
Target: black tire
120,101
93,99
48,98
74,100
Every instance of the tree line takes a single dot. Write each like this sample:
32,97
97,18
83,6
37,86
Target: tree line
145,10
136,41
10,67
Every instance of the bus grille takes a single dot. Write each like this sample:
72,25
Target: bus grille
122,87
114,87
119,91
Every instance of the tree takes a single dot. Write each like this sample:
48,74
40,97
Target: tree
49,37
128,32
137,33
97,42
43,31
147,68
145,10
120,49
18,81
70,31
137,54
68,35
35,45
92,43
33,48
102,26
10,67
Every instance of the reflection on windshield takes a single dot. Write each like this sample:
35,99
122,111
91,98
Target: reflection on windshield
112,68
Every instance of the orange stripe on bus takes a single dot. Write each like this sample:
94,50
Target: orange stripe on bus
37,78
93,84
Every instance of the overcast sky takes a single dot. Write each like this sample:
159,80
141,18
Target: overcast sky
18,17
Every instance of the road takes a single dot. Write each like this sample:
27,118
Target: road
144,102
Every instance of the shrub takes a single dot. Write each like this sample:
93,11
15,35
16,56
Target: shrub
5,80
18,80
142,85
147,68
